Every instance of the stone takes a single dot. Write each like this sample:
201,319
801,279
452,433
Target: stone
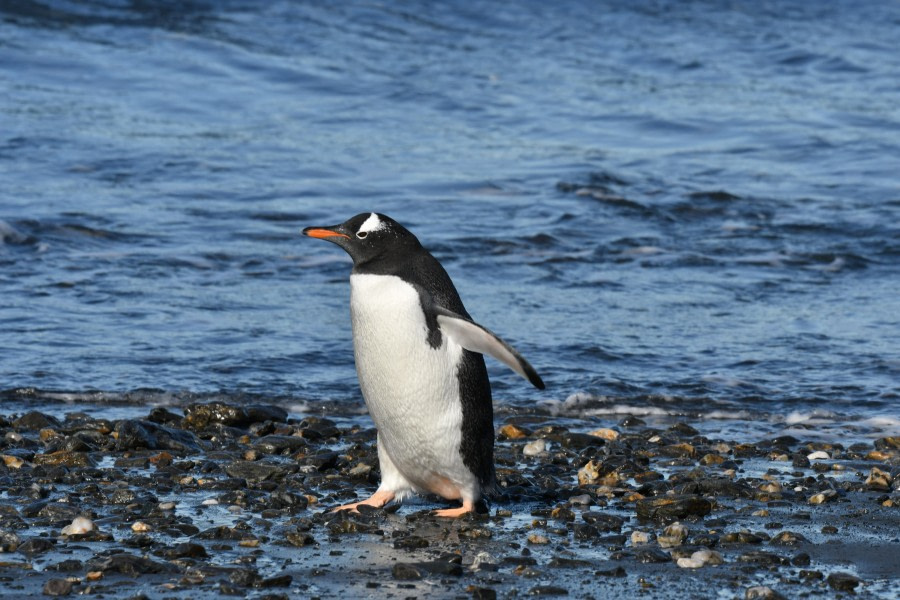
199,416
788,538
9,541
410,542
133,434
605,433
35,546
822,497
129,565
535,447
878,480
672,508
280,444
65,458
254,471
762,592
513,432
673,535
58,587
602,521
843,582
35,421
78,526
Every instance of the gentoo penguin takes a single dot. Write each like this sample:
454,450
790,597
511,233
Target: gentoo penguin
419,361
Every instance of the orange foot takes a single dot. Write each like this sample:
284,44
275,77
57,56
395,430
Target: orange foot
467,507
378,499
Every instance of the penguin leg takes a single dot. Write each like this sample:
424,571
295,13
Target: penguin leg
467,507
378,499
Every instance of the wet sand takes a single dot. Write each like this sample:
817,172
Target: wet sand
223,499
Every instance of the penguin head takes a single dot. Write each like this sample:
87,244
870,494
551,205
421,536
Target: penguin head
366,236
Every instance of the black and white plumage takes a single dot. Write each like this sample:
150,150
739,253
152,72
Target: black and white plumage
419,361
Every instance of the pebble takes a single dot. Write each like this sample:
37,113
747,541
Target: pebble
535,447
78,526
700,558
673,535
762,592
140,527
843,582
878,480
822,497
58,587
639,537
605,433
818,455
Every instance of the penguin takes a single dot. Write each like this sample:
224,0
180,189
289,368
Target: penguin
420,367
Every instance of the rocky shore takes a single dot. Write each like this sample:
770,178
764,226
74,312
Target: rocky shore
217,499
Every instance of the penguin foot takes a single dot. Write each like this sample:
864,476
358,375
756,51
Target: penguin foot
451,513
377,500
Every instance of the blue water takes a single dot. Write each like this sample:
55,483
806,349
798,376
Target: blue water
666,206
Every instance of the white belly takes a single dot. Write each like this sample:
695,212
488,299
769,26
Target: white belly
410,388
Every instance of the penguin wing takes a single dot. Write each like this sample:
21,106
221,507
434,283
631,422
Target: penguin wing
472,336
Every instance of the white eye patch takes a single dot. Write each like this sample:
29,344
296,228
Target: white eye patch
373,223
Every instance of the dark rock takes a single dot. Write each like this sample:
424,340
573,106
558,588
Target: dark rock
761,558
321,460
559,562
70,565
199,416
406,571
652,555
789,538
184,550
885,443
548,590
519,561
56,511
34,421
254,471
135,434
480,593
299,538
716,486
163,416
129,564
801,560
761,592
64,458
672,508
278,444
708,540
615,572
277,581
843,582
583,531
35,546
244,577
57,587
741,537
9,541
632,421
602,521
223,532
410,542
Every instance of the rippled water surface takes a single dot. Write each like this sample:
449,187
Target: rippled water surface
667,207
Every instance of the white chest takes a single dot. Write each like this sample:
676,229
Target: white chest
410,388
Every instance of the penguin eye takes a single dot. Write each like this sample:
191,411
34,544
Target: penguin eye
362,234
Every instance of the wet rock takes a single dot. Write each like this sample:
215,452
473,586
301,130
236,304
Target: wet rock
761,558
700,558
606,434
35,421
223,532
761,592
632,421
280,444
64,458
682,450
673,535
652,555
788,538
513,432
741,537
184,550
888,443
823,497
672,508
244,577
481,593
639,537
78,526
299,538
70,565
560,562
129,564
535,448
843,582
53,511
419,569
254,471
57,587
9,541
615,572
410,542
136,434
548,590
801,560
878,480
602,521
716,486
199,416
35,546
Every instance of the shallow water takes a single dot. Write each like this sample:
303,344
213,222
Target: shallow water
684,208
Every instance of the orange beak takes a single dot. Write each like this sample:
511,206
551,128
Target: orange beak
315,232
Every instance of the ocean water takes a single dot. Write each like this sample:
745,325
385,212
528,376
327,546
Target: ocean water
670,208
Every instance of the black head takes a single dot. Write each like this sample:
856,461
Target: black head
367,236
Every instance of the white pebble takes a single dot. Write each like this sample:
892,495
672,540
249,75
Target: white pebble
140,527
639,537
78,526
535,447
700,558
689,563
210,502
819,455
234,508
166,506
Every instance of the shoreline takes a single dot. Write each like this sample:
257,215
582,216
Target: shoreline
230,499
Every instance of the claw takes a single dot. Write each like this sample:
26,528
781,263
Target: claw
377,500
452,513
